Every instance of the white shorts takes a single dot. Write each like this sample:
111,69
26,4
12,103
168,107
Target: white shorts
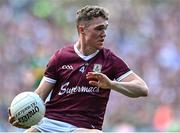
50,125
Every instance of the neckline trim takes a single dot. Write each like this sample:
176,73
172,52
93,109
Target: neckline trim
86,58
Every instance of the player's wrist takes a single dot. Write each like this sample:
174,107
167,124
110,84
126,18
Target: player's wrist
112,84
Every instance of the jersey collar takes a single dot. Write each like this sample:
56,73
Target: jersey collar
86,58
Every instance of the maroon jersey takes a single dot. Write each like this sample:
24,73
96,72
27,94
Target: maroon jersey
74,100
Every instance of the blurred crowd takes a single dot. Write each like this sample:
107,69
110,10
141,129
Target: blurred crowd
145,33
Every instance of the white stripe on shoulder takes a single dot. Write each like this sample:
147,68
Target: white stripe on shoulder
124,75
50,80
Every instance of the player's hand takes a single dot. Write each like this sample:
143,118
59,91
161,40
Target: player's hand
14,122
99,80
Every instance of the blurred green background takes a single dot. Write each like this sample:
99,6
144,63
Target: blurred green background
145,33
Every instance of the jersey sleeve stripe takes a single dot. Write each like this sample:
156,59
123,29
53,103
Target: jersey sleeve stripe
50,80
124,75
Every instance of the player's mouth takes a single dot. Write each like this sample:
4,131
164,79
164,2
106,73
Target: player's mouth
102,40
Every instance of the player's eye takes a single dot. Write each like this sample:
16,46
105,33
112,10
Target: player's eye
101,28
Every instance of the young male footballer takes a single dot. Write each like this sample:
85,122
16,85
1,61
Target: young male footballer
80,78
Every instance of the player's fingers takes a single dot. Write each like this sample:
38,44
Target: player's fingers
93,75
17,124
94,83
22,126
9,112
11,119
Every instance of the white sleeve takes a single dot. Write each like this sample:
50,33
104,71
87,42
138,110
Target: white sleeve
124,75
50,80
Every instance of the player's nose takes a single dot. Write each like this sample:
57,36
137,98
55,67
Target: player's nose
103,34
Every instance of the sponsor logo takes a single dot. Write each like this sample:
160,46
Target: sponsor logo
67,67
30,113
27,112
97,68
82,89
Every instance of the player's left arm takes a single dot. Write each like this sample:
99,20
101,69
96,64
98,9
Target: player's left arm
132,85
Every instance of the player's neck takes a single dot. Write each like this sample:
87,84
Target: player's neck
84,49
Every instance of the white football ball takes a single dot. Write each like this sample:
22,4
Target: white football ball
28,108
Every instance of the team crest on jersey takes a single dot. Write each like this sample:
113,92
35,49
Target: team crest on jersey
97,68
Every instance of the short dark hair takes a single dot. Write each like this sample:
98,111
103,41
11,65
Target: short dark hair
89,12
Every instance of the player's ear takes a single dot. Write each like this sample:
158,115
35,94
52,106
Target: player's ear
81,29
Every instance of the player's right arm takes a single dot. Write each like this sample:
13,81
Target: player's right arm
43,91
44,87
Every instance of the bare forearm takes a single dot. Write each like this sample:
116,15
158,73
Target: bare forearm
132,85
131,89
44,89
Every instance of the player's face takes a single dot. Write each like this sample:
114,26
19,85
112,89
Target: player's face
95,32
